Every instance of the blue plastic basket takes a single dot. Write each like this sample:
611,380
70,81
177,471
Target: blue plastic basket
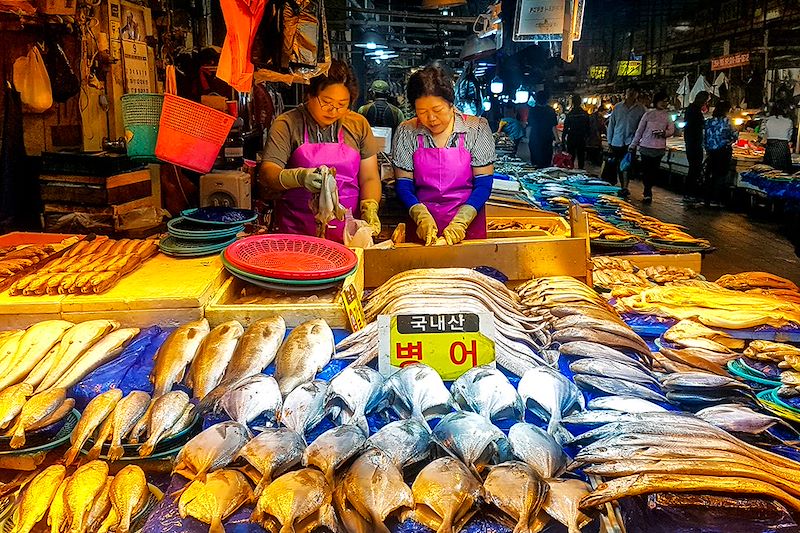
141,113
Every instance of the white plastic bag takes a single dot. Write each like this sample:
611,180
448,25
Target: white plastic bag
32,82
357,233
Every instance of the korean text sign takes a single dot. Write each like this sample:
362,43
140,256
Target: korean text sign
450,343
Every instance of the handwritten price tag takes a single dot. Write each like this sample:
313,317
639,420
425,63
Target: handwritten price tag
449,343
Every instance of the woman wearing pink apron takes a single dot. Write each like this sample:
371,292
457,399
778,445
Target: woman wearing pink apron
322,131
443,162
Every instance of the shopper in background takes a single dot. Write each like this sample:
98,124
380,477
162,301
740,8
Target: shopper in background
443,161
379,112
719,136
594,143
621,128
542,120
577,125
322,131
511,126
777,130
651,141
693,140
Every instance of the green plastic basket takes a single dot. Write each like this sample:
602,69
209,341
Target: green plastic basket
141,113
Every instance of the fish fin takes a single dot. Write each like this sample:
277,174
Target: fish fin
115,452
146,449
124,524
377,523
361,423
95,451
216,525
287,528
447,522
265,480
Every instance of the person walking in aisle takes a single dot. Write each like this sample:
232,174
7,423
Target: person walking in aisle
622,125
543,121
693,140
778,130
651,141
379,112
594,143
720,135
511,126
576,130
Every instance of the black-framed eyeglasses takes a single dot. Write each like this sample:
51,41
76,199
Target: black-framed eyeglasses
330,107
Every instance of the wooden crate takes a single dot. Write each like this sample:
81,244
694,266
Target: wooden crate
552,227
222,307
96,190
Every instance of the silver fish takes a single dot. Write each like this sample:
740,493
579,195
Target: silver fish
334,448
487,391
612,369
472,438
250,399
619,387
600,417
419,392
303,408
600,351
306,351
126,414
738,418
271,453
353,393
550,396
626,404
212,358
212,449
538,449
405,441
165,411
702,380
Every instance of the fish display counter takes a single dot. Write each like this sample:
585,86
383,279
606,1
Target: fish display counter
106,278
254,424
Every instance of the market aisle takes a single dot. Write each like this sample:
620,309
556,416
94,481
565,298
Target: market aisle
742,242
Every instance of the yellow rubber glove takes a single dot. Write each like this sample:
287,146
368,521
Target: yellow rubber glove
293,178
369,214
455,232
426,226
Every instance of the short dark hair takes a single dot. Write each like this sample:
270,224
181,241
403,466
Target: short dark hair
430,81
542,97
779,110
660,96
339,72
576,100
701,96
722,108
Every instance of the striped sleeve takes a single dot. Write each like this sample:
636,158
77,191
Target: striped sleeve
480,142
404,145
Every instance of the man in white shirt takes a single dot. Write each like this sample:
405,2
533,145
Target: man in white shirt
621,128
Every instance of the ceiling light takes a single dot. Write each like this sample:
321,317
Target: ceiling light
521,96
496,86
371,40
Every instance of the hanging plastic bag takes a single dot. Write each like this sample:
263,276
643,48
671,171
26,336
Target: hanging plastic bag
625,164
357,233
32,82
65,84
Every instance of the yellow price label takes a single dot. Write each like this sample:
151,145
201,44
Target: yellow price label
353,308
451,344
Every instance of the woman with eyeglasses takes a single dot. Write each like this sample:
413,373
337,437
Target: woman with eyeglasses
443,163
323,131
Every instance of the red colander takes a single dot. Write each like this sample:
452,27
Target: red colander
291,257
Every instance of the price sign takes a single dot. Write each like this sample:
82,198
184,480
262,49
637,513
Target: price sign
449,343
353,308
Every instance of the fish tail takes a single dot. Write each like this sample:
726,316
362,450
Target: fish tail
115,452
216,525
362,424
147,448
124,522
377,523
70,455
18,440
287,528
262,484
561,434
94,452
257,516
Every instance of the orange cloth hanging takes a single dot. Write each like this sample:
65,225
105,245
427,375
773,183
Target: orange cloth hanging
242,18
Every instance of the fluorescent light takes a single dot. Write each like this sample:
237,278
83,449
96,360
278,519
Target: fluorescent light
496,86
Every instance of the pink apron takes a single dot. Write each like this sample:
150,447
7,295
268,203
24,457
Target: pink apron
443,179
292,212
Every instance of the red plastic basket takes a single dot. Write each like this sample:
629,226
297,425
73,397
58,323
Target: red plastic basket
191,135
291,257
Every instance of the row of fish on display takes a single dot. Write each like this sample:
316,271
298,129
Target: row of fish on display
87,500
39,364
350,477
